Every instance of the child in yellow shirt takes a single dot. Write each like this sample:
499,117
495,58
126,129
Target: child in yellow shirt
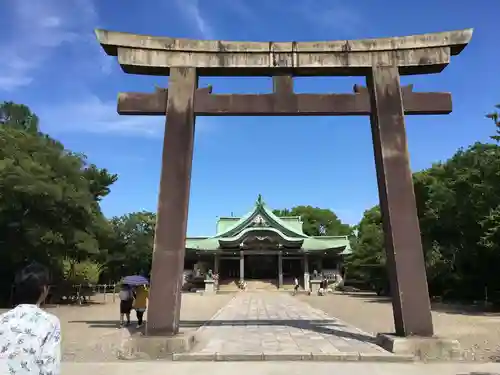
140,303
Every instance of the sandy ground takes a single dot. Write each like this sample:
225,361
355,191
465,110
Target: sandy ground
478,333
91,333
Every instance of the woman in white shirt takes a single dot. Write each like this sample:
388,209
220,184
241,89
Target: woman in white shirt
30,338
126,303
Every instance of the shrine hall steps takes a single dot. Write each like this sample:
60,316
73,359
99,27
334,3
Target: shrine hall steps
255,285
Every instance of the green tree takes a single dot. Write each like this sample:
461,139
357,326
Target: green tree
458,203
100,181
456,209
81,272
317,221
495,116
18,116
367,261
133,250
49,200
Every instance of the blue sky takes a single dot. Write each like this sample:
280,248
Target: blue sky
52,62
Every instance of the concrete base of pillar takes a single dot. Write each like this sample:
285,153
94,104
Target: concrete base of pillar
315,286
423,348
140,347
210,287
307,284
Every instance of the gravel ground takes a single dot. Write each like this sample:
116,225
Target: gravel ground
478,333
91,333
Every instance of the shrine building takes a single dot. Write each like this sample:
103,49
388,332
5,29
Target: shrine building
263,246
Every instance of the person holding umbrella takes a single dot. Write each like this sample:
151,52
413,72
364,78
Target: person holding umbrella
139,298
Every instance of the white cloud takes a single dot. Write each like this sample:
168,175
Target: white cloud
339,16
192,11
93,115
38,28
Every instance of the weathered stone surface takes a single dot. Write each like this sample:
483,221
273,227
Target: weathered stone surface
279,324
233,357
163,314
140,61
143,54
209,287
403,245
278,103
315,286
194,357
423,348
382,357
112,40
333,357
139,347
286,357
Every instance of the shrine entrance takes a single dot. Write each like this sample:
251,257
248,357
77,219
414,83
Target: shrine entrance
384,100
229,269
261,266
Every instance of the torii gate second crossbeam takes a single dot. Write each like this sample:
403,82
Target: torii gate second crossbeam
282,102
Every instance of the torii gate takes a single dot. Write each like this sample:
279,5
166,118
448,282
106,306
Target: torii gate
385,101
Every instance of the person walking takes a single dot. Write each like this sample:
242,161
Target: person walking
296,286
30,338
126,302
140,303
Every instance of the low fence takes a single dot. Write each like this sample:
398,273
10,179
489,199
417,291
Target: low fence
78,294
82,293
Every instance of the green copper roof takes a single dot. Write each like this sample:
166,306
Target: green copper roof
262,231
261,210
262,222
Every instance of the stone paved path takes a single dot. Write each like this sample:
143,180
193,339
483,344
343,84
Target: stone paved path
273,322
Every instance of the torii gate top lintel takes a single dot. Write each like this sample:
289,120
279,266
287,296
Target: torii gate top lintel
414,54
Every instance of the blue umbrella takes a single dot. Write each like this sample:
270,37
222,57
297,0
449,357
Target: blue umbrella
135,280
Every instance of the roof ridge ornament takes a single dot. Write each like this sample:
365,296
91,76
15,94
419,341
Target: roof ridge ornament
259,201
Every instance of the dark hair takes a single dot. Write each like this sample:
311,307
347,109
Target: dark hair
29,284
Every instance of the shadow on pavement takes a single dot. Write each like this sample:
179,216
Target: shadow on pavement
327,326
449,308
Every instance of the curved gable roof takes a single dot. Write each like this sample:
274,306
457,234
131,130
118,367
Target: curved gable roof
268,216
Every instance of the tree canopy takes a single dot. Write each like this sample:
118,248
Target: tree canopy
18,116
317,221
458,203
49,198
134,238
